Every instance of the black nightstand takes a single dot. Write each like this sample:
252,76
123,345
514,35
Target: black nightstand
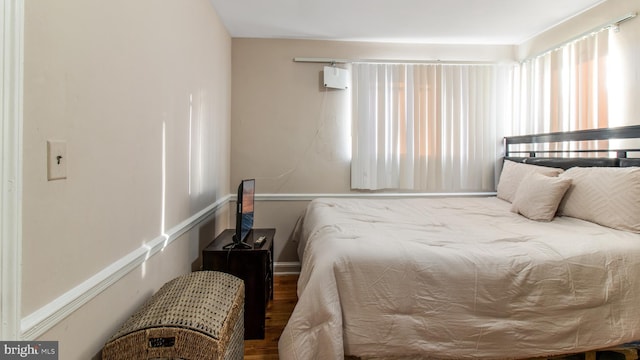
254,266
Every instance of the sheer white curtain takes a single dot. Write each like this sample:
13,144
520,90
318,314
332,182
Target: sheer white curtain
430,127
564,89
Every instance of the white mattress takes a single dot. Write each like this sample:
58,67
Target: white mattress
457,278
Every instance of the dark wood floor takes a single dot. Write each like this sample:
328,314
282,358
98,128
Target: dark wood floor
278,313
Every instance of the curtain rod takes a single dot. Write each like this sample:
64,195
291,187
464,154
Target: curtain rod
612,23
386,61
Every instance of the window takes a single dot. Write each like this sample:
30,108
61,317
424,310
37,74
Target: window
430,127
439,127
565,89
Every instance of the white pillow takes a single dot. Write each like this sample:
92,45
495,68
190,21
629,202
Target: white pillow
538,196
604,195
513,173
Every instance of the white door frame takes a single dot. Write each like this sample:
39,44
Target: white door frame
11,110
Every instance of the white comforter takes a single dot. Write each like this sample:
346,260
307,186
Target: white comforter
458,278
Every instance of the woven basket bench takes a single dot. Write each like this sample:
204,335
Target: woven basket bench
198,316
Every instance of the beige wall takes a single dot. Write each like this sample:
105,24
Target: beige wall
291,134
122,82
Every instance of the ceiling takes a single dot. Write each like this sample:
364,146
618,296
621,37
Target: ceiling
406,21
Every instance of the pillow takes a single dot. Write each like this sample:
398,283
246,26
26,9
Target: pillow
513,173
538,196
606,196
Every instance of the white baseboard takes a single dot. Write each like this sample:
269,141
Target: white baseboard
286,268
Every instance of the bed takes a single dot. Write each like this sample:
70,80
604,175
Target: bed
498,277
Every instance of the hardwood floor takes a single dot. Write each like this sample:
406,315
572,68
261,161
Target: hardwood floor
278,313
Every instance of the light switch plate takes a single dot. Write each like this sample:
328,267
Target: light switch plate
56,160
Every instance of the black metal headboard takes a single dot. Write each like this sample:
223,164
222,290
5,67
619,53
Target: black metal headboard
566,158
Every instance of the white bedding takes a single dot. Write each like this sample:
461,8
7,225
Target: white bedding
458,278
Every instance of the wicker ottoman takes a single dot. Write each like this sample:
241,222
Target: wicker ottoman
198,316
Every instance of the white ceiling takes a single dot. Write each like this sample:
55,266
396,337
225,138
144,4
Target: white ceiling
407,21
